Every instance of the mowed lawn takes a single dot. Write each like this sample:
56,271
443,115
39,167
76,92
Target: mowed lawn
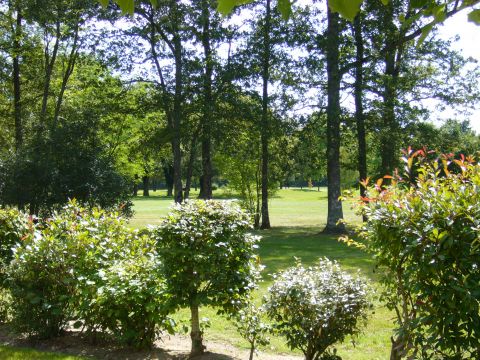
297,218
13,353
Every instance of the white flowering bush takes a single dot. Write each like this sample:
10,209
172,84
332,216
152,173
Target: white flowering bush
317,306
208,258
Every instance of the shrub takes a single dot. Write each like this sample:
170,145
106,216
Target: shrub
86,265
14,226
250,324
208,258
131,300
318,306
424,236
71,162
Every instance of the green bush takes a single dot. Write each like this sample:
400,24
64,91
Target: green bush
86,265
251,325
316,307
424,235
208,258
131,302
71,162
14,226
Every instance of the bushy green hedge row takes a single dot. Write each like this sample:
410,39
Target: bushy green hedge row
84,266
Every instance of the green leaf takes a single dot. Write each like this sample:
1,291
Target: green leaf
418,4
104,3
225,7
127,6
439,13
426,30
347,8
285,8
474,17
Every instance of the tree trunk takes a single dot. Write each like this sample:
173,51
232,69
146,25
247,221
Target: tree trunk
389,132
196,334
265,127
335,210
49,64
252,351
191,160
168,172
68,72
17,107
135,185
146,185
359,114
397,351
207,117
177,121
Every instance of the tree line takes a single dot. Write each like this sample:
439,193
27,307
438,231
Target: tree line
96,100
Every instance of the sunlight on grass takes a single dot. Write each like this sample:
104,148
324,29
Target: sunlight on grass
11,353
297,217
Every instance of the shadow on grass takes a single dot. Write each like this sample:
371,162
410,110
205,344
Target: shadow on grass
280,246
314,190
77,346
153,198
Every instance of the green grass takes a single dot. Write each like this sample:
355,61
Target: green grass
297,217
12,353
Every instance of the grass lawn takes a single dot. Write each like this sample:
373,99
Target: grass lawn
11,353
297,217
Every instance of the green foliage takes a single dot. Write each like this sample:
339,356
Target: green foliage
86,265
208,255
131,300
250,324
318,306
424,237
14,226
70,163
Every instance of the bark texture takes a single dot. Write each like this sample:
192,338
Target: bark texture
265,126
335,210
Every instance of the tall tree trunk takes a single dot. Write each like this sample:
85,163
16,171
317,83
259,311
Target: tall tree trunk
265,128
389,133
177,119
146,185
17,107
335,210
49,65
68,71
135,185
168,172
359,114
191,160
207,118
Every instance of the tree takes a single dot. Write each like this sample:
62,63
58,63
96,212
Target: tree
192,242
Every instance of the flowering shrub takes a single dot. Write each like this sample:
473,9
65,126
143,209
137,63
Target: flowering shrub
208,257
14,225
86,265
424,235
317,306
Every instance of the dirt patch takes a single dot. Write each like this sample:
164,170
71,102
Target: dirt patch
169,348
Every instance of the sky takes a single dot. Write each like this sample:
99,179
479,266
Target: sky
468,44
